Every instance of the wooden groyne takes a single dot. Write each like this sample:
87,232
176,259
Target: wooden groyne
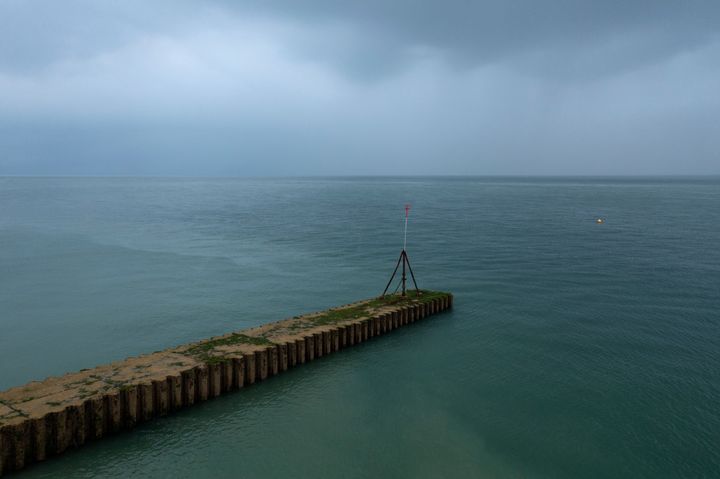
46,418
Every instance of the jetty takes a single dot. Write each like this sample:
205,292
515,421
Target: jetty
45,418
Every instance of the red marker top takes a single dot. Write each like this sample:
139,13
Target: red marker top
407,210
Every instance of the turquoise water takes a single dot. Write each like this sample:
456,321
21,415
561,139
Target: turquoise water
574,349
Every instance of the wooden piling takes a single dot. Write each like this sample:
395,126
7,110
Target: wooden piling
155,385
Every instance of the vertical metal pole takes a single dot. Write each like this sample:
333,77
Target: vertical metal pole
404,254
405,237
403,273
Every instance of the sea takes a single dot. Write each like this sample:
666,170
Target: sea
575,348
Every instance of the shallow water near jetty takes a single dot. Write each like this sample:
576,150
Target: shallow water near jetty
575,349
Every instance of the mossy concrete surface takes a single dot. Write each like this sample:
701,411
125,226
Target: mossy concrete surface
44,418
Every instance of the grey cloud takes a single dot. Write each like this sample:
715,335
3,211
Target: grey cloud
37,33
375,87
376,37
471,33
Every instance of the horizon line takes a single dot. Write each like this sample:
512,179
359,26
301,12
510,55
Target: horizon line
454,176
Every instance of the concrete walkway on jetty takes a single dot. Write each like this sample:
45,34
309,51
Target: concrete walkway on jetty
46,418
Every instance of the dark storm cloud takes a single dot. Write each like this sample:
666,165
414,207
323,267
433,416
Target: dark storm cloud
475,32
323,86
374,35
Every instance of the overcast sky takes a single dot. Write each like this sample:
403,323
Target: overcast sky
332,87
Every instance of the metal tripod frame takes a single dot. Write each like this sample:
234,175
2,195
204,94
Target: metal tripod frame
405,261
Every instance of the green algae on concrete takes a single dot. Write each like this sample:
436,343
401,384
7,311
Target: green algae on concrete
45,418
